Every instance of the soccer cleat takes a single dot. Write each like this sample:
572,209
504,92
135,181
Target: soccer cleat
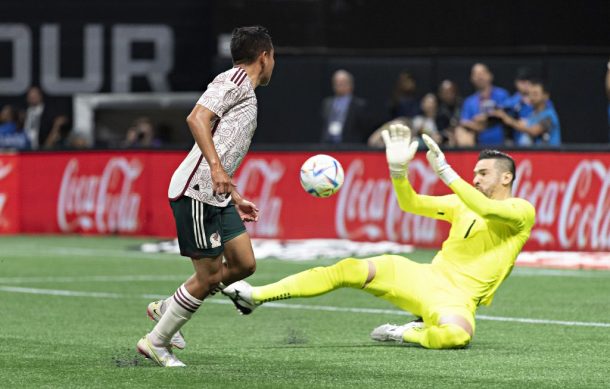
162,356
392,332
240,293
154,312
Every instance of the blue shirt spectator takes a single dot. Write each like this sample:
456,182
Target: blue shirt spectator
549,121
541,127
517,105
11,135
476,104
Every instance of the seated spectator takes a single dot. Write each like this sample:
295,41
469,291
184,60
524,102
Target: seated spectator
11,131
141,134
541,127
43,127
475,124
428,123
404,103
449,110
344,116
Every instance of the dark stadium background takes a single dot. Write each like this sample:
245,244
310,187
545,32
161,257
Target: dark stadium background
567,43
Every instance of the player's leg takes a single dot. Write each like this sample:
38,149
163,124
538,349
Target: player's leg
187,298
197,225
185,302
453,330
349,272
239,256
443,327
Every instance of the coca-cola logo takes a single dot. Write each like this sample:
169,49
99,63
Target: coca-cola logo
367,207
257,182
102,203
574,212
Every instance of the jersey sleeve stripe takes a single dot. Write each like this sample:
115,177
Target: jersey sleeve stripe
236,75
241,79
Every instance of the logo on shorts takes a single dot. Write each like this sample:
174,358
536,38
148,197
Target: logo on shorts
215,239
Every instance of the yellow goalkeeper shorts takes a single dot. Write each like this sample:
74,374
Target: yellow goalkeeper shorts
421,289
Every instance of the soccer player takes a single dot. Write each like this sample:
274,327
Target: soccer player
488,229
209,212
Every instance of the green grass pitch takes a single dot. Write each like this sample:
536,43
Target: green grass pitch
73,309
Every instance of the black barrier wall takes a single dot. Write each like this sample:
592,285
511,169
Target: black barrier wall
70,47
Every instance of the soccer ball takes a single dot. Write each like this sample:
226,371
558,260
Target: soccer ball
321,175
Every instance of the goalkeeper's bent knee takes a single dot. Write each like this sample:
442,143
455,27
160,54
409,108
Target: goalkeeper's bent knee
350,272
445,336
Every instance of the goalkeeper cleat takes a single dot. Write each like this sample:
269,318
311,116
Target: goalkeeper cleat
154,312
162,356
392,332
240,293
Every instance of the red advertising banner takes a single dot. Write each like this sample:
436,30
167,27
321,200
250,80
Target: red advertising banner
125,192
9,194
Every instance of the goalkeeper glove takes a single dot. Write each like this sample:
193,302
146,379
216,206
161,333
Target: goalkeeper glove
399,150
438,162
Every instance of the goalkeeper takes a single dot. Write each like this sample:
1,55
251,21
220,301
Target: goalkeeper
488,229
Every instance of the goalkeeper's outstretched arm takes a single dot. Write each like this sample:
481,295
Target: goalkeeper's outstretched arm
512,211
400,150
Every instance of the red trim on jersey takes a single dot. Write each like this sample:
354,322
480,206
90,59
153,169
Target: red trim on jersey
242,79
188,182
240,74
235,74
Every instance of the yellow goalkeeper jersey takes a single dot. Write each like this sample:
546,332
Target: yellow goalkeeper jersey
485,238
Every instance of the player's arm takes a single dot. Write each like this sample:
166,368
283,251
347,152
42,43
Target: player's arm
200,123
511,212
437,207
399,152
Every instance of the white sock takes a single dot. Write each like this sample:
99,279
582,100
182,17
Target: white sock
179,310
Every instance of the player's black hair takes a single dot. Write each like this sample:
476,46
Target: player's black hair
504,160
248,42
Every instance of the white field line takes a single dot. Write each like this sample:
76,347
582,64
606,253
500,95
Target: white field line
79,253
71,293
68,279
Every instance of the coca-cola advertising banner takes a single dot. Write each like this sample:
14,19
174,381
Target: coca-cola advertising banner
125,192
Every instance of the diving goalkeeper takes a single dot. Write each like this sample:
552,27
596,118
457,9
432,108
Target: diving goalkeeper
488,229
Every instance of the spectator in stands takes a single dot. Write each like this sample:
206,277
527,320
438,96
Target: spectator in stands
11,130
476,127
43,127
344,115
518,105
449,110
142,134
428,122
404,103
541,127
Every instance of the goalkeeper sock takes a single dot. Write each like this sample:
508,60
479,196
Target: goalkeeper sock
348,272
179,310
438,337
